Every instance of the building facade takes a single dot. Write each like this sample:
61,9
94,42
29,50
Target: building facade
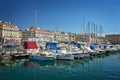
61,36
113,38
35,33
82,38
91,38
9,31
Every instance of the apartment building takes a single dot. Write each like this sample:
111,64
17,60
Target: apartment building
9,31
61,36
35,33
113,38
89,38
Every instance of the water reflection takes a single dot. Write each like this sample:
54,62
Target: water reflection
58,63
92,63
93,68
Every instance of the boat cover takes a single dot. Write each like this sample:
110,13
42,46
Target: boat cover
93,46
51,45
30,45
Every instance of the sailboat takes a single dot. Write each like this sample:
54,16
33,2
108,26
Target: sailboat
58,53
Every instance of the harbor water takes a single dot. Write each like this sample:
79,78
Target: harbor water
100,67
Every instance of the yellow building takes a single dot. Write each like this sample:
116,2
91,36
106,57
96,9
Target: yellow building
113,38
9,31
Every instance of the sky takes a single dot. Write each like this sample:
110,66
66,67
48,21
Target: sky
69,15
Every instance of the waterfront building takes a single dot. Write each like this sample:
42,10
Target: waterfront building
71,36
113,38
91,38
61,36
78,37
35,33
9,31
82,37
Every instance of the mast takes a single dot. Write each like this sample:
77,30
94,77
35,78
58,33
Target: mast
100,30
56,24
83,25
35,23
89,34
92,29
35,17
94,32
56,31
88,27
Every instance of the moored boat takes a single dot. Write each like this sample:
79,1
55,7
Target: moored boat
35,53
39,56
64,55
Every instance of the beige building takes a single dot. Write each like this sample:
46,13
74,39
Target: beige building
89,38
35,33
82,37
63,36
113,38
79,37
72,36
9,31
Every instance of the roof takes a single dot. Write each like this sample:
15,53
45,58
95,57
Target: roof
35,28
7,24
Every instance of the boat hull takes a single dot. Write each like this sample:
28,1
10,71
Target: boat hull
64,57
78,55
43,58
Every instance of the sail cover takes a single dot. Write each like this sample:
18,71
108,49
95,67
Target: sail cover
51,45
30,45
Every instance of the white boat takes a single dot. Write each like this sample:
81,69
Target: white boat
86,53
77,54
110,48
117,47
91,52
72,50
100,51
64,55
58,54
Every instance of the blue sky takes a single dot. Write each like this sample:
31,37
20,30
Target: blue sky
68,13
